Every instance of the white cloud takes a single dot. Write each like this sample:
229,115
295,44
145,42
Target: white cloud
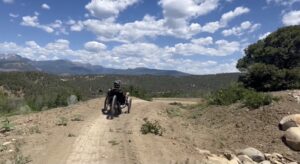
263,36
76,26
45,6
206,47
94,46
225,19
177,13
8,1
176,21
291,18
283,2
13,15
242,29
104,9
57,27
131,55
32,21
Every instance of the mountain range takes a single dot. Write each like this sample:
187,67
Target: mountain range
13,62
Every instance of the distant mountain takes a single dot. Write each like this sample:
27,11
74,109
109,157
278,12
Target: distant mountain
12,62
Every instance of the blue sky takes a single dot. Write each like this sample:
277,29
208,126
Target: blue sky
194,36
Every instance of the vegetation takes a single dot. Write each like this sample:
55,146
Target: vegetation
152,127
62,121
274,62
77,117
237,93
34,91
7,126
18,157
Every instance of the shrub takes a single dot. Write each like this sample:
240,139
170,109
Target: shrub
173,112
77,117
6,126
152,127
237,93
62,121
227,96
254,99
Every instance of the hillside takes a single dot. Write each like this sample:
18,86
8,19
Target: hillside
12,62
42,91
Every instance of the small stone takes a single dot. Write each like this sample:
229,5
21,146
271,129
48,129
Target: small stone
245,159
253,153
265,162
6,143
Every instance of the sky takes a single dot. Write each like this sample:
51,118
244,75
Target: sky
193,36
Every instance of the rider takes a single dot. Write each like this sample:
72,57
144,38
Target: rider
118,92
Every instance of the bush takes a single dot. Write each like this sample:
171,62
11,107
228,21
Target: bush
152,127
237,93
227,96
62,121
255,100
6,126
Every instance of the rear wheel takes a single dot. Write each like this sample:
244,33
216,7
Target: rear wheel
129,105
113,107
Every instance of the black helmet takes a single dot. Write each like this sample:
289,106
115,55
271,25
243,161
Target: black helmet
117,84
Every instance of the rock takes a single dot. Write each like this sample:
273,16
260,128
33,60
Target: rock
245,159
72,100
292,138
214,159
296,95
200,151
6,143
265,162
253,153
289,121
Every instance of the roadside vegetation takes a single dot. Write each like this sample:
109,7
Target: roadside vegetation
152,127
237,93
25,92
271,64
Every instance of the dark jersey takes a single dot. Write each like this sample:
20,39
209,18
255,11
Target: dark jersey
119,93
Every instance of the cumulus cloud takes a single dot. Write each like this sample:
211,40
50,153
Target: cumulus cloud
56,27
8,1
45,6
225,19
283,2
206,47
291,18
131,55
242,29
104,9
94,46
32,21
177,16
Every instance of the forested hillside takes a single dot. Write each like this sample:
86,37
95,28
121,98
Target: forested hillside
40,91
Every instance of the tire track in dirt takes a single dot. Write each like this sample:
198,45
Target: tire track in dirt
104,141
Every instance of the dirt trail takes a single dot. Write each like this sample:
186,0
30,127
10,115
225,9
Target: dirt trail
96,140
116,141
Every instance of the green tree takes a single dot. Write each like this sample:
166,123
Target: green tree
274,62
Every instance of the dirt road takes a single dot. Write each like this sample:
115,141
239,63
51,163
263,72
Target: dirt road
117,141
189,132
